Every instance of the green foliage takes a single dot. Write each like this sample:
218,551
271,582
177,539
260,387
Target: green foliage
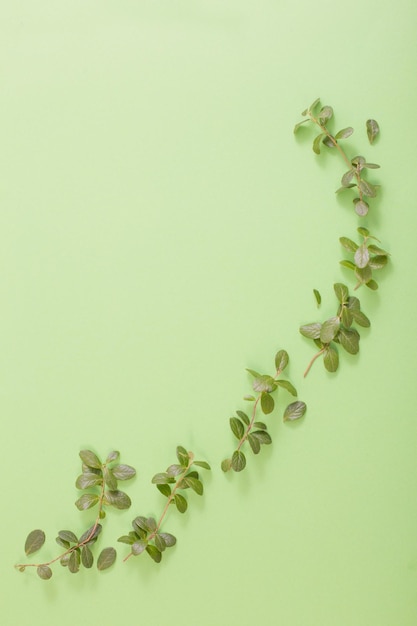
101,479
146,535
355,176
367,257
337,330
242,426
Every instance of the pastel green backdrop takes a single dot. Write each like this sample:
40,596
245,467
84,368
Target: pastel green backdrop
161,230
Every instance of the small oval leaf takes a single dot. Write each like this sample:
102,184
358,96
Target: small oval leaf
106,559
34,541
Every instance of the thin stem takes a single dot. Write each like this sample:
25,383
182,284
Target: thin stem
316,356
78,545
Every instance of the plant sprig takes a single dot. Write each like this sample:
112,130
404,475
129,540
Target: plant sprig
337,330
357,166
248,429
101,479
147,535
367,257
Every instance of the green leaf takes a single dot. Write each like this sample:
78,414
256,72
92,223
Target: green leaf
237,427
288,386
151,524
44,572
202,464
363,231
175,470
254,443
87,558
372,130
329,329
182,456
347,178
264,383
361,257
118,499
88,479
169,539
180,503
67,535
260,425
262,436
347,317
377,250
109,479
363,274
344,133
294,411
34,541
349,339
348,264
267,403
378,262
361,207
63,544
281,360
317,141
154,553
164,489
195,484
367,188
140,523
113,456
358,162
372,284
348,244
123,472
160,543
226,465
106,559
162,478
90,459
139,546
243,417
238,461
325,114
371,166
91,534
128,539
249,398
331,359
317,296
253,373
311,331
297,126
74,562
312,106
361,319
341,291
86,501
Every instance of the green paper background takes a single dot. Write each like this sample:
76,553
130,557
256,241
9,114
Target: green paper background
161,230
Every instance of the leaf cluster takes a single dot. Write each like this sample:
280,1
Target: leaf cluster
248,429
354,177
146,535
337,330
367,257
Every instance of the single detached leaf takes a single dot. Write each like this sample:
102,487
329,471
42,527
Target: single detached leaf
288,386
329,329
106,559
281,360
237,427
311,331
123,472
34,541
349,339
180,503
87,558
87,501
372,130
294,411
267,403
44,572
317,296
238,461
331,359
341,291
90,459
